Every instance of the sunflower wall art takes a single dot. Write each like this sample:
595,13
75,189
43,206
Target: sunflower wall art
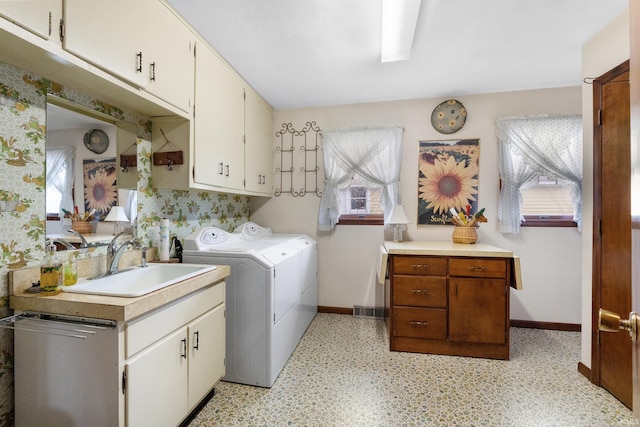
100,186
447,178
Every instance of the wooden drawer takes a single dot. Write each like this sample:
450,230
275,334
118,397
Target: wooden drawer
420,322
420,291
420,265
477,267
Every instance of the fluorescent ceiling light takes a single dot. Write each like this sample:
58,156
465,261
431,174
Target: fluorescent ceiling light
399,19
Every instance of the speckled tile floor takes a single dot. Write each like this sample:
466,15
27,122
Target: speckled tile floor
343,374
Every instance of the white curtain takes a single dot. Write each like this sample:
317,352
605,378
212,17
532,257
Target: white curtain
533,146
374,153
60,174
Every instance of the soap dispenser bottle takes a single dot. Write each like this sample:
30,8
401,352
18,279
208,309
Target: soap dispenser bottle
50,274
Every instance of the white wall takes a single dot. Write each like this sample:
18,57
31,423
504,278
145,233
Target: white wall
550,257
604,51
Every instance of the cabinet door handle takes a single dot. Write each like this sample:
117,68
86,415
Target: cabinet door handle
152,69
184,348
139,61
472,268
227,170
221,171
419,323
196,345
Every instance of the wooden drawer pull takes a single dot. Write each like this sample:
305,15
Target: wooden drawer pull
420,291
424,267
419,323
477,268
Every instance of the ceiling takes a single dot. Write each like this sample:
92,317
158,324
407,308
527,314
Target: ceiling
299,53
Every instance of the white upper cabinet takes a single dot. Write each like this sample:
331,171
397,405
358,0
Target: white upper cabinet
41,17
258,145
218,123
142,42
169,57
109,34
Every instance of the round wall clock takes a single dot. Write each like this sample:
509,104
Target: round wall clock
449,116
96,140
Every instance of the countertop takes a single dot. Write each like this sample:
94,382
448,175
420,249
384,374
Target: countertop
434,248
120,309
91,238
445,249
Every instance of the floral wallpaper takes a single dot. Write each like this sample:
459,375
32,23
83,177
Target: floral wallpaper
22,193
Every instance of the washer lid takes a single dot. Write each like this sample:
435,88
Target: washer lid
251,230
211,238
277,254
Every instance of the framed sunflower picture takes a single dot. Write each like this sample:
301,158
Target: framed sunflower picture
100,186
447,178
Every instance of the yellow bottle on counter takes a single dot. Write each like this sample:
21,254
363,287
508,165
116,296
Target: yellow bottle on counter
70,271
50,275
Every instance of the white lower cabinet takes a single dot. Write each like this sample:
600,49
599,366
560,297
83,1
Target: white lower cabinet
152,371
206,344
181,368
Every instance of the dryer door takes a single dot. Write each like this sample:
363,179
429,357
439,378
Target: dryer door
287,286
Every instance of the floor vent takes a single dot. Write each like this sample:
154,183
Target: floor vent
370,312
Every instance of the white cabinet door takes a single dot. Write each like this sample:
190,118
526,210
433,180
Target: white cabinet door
207,352
258,152
169,57
41,17
109,34
157,389
219,122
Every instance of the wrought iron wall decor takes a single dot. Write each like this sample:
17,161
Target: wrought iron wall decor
307,154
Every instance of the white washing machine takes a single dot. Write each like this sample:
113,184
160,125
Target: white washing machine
307,306
270,297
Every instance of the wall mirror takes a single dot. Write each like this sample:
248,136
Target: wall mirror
84,176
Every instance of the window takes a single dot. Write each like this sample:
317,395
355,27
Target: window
59,170
540,164
360,204
361,165
547,203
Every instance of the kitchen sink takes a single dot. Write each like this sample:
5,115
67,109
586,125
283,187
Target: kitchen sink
138,281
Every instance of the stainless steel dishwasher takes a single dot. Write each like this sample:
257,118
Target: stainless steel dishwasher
66,370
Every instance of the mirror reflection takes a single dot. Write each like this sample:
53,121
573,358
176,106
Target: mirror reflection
82,176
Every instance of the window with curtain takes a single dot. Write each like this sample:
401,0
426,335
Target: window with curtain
541,153
363,157
59,179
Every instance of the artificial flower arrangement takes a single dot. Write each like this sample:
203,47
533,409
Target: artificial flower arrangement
462,219
466,224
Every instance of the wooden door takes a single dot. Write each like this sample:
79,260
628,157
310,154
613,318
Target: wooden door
477,310
611,353
634,12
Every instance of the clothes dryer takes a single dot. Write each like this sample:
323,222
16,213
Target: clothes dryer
264,298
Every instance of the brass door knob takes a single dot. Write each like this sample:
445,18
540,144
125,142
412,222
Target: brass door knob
608,321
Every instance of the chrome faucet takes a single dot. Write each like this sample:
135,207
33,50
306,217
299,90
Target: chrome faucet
64,243
115,251
83,241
